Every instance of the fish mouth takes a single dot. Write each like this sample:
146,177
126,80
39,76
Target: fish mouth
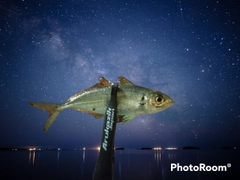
170,102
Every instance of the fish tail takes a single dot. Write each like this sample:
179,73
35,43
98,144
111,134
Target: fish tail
53,109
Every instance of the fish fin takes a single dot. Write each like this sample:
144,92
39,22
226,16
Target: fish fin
126,118
50,120
96,115
104,81
123,80
53,110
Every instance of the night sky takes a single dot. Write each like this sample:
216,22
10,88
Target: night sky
189,50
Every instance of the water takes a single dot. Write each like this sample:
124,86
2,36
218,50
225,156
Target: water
129,164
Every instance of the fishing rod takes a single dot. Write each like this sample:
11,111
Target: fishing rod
104,168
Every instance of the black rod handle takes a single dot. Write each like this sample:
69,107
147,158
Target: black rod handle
104,168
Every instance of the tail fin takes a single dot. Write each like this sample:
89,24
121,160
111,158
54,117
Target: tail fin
53,110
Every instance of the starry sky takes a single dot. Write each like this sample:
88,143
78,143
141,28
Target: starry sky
189,50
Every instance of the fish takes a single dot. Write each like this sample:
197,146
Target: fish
132,100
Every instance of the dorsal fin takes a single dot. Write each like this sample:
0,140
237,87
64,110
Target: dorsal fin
104,81
123,80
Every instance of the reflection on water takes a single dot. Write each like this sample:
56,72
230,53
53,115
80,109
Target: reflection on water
157,156
172,155
83,161
58,156
143,164
129,164
31,157
83,155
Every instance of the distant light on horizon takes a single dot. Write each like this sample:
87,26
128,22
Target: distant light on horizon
171,148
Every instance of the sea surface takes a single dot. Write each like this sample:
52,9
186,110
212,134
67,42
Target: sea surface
129,164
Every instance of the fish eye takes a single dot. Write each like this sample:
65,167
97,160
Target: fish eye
158,99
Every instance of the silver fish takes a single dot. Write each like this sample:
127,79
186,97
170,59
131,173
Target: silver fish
132,100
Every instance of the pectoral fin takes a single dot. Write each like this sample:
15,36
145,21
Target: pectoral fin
126,118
